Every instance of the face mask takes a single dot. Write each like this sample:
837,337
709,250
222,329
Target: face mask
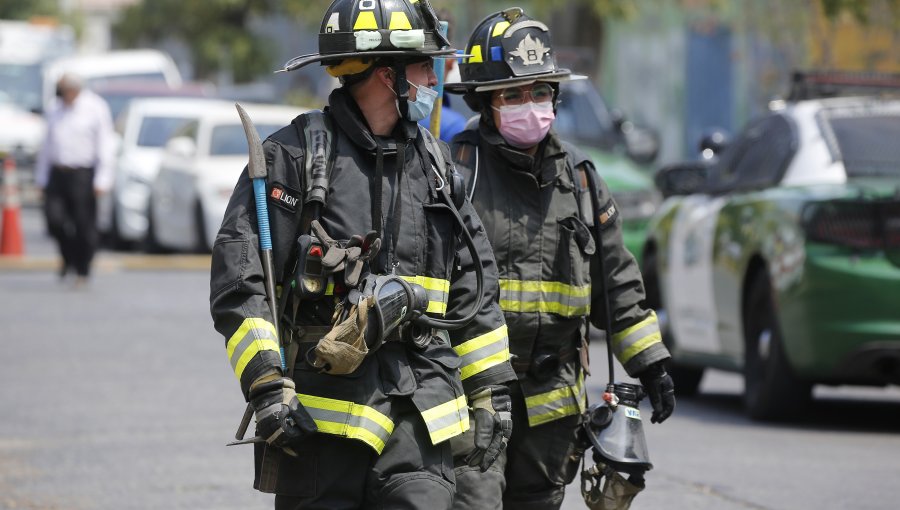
525,125
424,103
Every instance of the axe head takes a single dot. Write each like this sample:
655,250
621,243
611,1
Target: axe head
257,165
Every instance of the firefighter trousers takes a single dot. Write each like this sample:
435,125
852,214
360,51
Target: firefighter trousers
531,474
334,473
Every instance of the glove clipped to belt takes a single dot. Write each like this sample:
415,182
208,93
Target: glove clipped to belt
280,418
343,349
661,390
493,425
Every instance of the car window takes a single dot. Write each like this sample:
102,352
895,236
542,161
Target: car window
229,139
868,145
23,84
582,116
758,158
102,81
156,131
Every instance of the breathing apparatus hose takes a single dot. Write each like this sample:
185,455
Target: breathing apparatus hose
598,235
450,324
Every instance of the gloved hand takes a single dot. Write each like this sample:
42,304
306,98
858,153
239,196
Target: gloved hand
660,389
493,425
280,418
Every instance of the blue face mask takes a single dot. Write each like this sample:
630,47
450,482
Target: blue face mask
424,103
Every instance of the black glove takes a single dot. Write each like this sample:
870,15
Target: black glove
660,389
493,425
280,418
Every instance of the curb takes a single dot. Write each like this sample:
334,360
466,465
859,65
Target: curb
111,263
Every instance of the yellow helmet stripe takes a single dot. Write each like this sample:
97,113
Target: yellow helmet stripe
365,21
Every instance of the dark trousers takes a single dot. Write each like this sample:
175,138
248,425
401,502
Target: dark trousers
70,207
531,474
334,473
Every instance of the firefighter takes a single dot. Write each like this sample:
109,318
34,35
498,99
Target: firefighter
352,421
531,191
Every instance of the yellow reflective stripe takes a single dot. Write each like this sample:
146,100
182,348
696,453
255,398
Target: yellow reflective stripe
343,418
630,341
553,415
556,404
543,307
500,28
481,341
545,287
483,364
329,289
438,292
476,54
399,21
454,412
253,347
366,21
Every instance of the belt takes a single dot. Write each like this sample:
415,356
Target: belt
66,168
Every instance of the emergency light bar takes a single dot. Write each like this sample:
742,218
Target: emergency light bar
819,84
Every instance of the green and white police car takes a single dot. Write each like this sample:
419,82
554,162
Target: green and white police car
780,258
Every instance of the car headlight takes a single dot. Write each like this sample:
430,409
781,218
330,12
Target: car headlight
637,204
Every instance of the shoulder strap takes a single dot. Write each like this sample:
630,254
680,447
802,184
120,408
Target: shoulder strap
579,165
315,128
437,155
465,147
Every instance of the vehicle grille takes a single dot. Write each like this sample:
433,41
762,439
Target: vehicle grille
863,225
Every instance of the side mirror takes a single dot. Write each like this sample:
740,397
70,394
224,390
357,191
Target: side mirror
713,143
182,147
618,119
641,144
682,178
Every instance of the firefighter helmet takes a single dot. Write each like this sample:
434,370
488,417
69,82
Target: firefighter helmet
509,48
352,31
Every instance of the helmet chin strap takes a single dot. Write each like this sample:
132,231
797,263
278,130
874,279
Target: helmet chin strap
401,88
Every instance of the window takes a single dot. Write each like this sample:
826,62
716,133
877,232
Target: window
758,158
229,140
868,144
156,131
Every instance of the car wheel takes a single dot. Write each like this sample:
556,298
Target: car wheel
117,241
200,228
771,391
687,378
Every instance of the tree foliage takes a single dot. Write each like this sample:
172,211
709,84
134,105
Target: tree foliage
25,9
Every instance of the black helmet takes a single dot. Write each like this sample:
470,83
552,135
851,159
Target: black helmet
357,29
508,48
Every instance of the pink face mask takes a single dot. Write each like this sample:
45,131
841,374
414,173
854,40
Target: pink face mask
524,126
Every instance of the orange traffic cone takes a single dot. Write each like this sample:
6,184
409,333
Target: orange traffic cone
11,238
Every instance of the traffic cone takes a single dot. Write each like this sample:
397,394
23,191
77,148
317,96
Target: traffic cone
11,237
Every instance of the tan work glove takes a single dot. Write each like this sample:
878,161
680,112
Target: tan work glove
343,349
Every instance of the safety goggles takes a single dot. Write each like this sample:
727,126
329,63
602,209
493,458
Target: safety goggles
516,96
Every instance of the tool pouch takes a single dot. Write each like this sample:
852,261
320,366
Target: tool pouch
343,349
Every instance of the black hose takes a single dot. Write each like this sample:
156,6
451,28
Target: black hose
592,187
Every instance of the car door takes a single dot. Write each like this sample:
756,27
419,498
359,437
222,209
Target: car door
697,308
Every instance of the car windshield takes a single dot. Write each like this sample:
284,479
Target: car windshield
156,131
22,83
229,139
582,115
868,144
102,81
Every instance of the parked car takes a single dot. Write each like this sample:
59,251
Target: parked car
119,93
101,69
144,128
780,259
199,169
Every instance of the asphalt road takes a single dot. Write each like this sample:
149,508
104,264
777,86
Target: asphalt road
119,396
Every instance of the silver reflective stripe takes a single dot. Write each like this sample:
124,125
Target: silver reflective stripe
248,341
546,297
348,419
557,403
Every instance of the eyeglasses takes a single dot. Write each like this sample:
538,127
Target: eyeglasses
515,96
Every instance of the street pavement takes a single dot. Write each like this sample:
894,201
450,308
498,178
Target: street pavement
119,396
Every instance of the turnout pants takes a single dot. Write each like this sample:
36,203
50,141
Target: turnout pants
71,211
335,473
531,474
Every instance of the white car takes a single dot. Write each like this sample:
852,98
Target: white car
200,167
144,127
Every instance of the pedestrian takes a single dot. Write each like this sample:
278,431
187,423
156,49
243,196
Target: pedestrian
357,420
531,190
74,168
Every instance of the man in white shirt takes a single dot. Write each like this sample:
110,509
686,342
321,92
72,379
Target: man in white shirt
74,167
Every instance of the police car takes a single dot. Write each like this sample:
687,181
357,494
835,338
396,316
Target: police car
780,258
